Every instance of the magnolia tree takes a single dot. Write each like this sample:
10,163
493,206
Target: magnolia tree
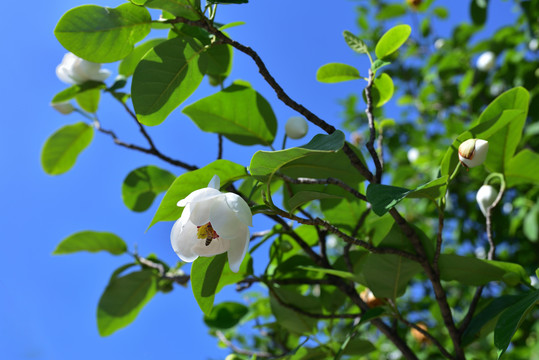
378,246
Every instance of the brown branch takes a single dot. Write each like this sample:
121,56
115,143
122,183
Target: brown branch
332,181
372,130
178,278
427,334
220,147
439,240
471,310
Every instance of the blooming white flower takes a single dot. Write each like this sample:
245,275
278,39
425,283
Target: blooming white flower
485,197
473,152
74,70
296,127
65,107
486,61
412,155
439,43
212,223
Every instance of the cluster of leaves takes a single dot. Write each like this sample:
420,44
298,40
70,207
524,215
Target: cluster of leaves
312,305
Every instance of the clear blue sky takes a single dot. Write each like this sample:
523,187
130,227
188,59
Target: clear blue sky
48,303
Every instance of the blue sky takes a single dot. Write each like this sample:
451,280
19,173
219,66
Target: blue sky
48,303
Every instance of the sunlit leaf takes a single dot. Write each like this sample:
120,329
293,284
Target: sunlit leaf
392,40
336,72
142,185
91,241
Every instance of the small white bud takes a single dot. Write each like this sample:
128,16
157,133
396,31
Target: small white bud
486,195
296,127
63,107
473,152
533,45
412,155
486,61
439,43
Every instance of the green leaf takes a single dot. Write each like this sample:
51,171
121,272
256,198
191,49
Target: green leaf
123,299
228,1
64,146
510,321
290,319
226,315
345,211
91,241
392,40
523,168
389,11
384,197
102,34
472,271
72,91
165,77
238,112
388,275
517,98
530,225
382,90
210,274
339,273
441,12
265,163
89,100
304,197
188,9
194,180
378,64
337,72
478,11
142,185
128,65
216,60
355,43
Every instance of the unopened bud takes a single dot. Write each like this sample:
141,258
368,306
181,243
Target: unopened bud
369,298
296,127
486,61
418,335
439,43
486,195
473,152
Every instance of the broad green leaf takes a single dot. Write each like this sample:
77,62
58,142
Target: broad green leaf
72,91
478,11
89,100
64,146
226,315
304,197
102,34
384,197
266,163
128,65
392,40
472,271
290,319
142,185
194,180
188,9
358,347
210,274
344,212
388,275
387,234
484,322
216,60
123,299
355,43
91,241
382,90
378,64
530,225
389,11
339,273
165,77
238,112
517,98
228,1
503,144
337,72
523,168
441,12
510,321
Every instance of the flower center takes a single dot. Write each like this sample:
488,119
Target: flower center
206,232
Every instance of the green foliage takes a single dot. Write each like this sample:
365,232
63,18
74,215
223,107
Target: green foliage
142,185
129,63
101,34
355,43
226,315
64,146
336,72
91,241
75,90
392,40
189,9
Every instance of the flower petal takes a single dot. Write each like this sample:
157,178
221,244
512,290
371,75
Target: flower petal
223,219
215,182
183,237
217,246
240,208
238,249
199,195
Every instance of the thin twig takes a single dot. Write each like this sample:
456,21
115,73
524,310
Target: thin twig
439,240
332,181
238,350
427,334
180,278
219,146
471,310
372,130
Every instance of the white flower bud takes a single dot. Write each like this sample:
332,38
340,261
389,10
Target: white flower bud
473,152
296,127
439,43
63,107
486,61
486,195
412,155
533,45
74,70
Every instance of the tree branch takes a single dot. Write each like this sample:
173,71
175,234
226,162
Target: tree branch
332,181
372,130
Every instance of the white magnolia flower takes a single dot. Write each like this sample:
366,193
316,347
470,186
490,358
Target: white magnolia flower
212,223
439,43
65,107
296,127
485,197
486,61
473,152
413,155
74,70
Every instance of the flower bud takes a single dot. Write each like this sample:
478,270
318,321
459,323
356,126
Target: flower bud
473,152
369,298
533,45
439,43
486,195
74,70
412,155
63,107
418,335
296,127
414,3
486,61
